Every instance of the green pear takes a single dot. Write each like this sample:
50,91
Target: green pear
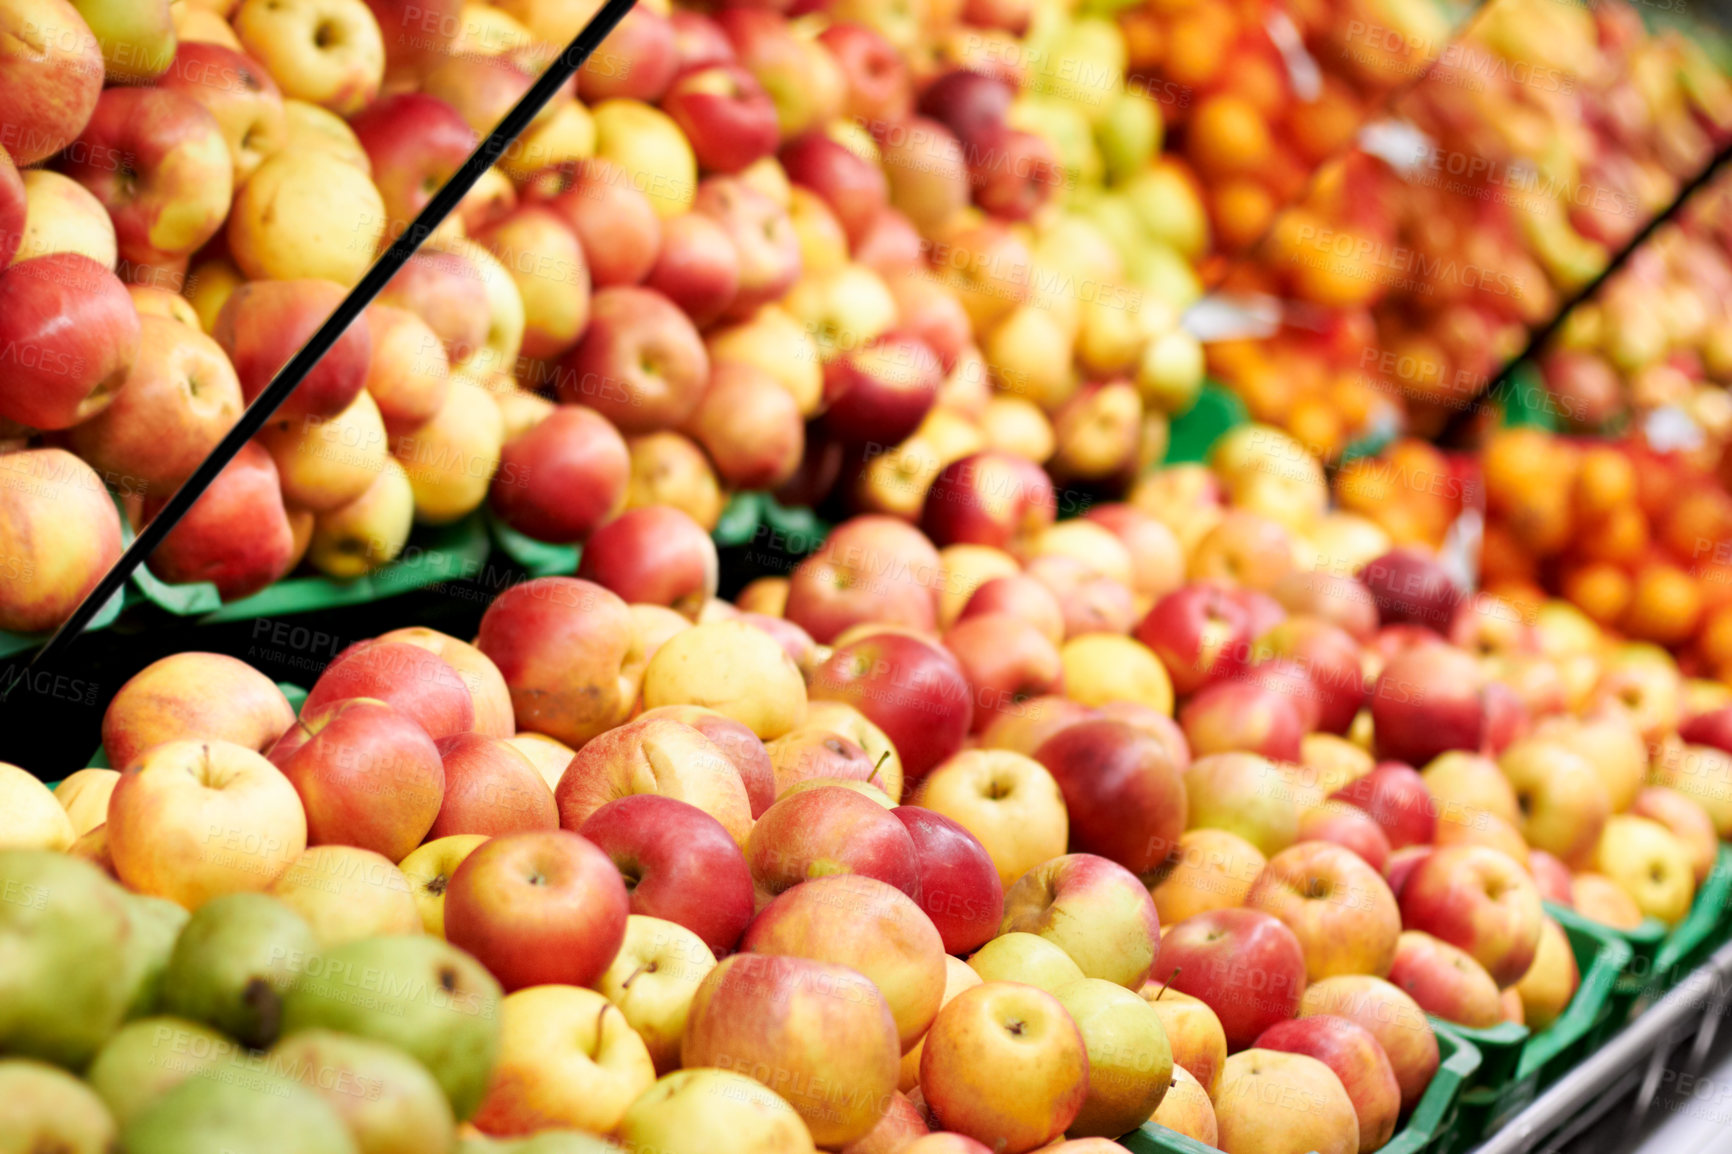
1167,203
1083,65
388,1100
246,1110
1112,213
137,37
1158,270
146,1059
418,993
234,961
1129,134
43,1108
156,924
63,923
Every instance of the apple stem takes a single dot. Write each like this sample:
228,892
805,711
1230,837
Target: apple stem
882,758
626,985
1168,984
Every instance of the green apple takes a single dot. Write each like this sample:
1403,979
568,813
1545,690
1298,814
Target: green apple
137,37
1113,213
146,1059
43,1108
1083,65
1130,1060
1170,374
1157,269
233,964
1129,134
254,1110
423,995
1166,201
156,923
62,921
388,1100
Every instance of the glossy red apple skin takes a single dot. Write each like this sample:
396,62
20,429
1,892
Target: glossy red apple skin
854,188
1124,794
967,103
1200,632
563,478
879,394
679,864
1014,174
13,206
416,143
237,534
1712,728
654,555
636,61
959,886
641,363
491,788
70,333
725,113
543,908
698,268
1007,662
1349,827
368,777
615,222
412,679
48,91
266,322
1358,1061
910,689
417,34
762,233
698,40
1239,714
988,498
830,830
1428,700
1396,797
879,89
1411,589
1244,964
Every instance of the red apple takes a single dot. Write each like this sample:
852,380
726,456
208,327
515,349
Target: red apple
237,90
853,187
725,113
1400,865
1446,981
678,863
411,678
912,690
1331,597
59,533
1093,909
1201,633
749,424
871,570
698,40
1397,799
14,207
1347,826
561,645
967,103
1479,900
542,908
368,776
491,788
988,498
737,743
70,334
1428,700
157,160
640,364
484,88
698,268
416,143
237,534
1329,657
1244,964
926,310
829,830
1090,601
879,90
655,555
1713,728
655,755
613,219
416,33
763,234
1007,661
879,393
1021,596
1357,1059
1124,794
1411,589
1239,714
1551,877
445,290
635,61
563,477
264,323
51,72
959,886
1014,173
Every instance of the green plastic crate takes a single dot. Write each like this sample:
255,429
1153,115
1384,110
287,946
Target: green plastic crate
1432,1120
1519,1062
1191,436
1704,927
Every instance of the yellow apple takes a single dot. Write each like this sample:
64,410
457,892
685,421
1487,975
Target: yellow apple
1007,801
1026,958
84,796
567,1058
646,143
958,976
1130,1062
735,669
346,894
327,52
428,870
450,460
1550,983
30,817
652,981
1649,863
306,213
711,1111
1100,668
61,215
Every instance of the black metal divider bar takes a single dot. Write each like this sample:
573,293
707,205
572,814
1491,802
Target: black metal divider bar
558,73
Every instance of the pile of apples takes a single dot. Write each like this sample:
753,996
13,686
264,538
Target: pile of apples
1031,838
745,250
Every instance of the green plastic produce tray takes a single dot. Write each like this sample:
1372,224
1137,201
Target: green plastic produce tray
1191,436
1519,1062
1706,925
1432,1120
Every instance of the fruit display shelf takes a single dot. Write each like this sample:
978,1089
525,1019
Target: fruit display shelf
1426,1132
1515,1062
